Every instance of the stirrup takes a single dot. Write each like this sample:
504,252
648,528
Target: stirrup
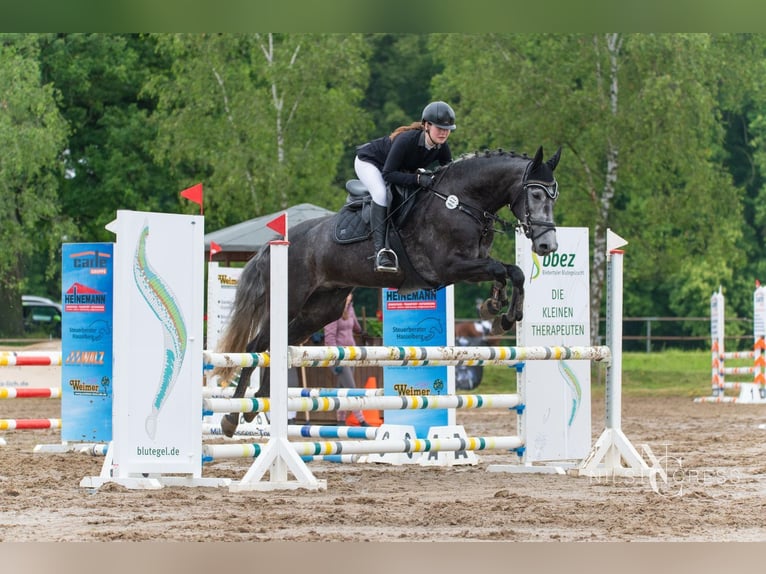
386,268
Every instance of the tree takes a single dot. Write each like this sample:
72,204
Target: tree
261,119
32,137
109,165
638,118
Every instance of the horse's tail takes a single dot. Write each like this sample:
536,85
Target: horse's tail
249,313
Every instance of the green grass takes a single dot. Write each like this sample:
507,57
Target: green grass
667,373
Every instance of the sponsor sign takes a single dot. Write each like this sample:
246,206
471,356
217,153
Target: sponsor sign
424,318
86,341
557,418
158,344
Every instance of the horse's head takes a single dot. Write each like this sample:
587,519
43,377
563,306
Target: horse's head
533,206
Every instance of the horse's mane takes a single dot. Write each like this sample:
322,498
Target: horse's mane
487,153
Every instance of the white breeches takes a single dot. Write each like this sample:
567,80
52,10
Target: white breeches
371,177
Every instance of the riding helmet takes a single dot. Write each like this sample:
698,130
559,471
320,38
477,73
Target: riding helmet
440,114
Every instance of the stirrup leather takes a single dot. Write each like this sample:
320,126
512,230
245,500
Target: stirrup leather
379,267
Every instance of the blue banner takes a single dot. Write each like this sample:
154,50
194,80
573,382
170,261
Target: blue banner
417,319
86,341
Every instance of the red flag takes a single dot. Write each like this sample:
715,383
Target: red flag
194,194
279,225
214,248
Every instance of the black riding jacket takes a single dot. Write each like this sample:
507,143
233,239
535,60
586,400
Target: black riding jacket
399,160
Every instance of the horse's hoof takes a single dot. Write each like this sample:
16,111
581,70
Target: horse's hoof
497,327
249,417
229,424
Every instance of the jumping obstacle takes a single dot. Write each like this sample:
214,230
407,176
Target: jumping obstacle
324,404
29,359
749,392
613,454
386,446
297,431
29,424
279,456
325,356
8,393
226,392
30,393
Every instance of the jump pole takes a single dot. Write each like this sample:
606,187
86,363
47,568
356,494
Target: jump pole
278,455
613,447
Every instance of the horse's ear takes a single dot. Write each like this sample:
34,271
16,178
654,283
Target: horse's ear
538,159
554,161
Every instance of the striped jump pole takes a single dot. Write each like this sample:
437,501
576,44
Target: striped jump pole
321,404
30,393
297,431
221,451
29,424
30,359
326,356
228,392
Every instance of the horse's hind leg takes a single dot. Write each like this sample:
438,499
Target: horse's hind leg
229,422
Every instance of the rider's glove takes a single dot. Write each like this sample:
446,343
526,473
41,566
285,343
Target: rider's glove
425,180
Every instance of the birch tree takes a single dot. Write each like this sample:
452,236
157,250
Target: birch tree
638,118
263,118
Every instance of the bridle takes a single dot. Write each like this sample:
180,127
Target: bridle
488,219
550,189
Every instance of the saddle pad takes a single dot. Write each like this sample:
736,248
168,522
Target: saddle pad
352,222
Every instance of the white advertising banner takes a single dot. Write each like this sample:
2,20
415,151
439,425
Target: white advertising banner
556,422
159,261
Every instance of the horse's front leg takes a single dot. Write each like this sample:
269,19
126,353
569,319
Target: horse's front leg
498,298
515,312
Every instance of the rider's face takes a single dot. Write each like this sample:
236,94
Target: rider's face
437,134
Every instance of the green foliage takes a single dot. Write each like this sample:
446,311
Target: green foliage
107,159
32,139
263,119
663,136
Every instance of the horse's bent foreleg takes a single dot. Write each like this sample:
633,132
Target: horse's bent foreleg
515,311
498,299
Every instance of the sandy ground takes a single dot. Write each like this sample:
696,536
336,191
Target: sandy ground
713,453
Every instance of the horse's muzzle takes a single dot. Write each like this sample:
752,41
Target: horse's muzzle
545,242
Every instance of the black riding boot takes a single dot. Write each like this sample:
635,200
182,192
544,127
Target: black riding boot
385,259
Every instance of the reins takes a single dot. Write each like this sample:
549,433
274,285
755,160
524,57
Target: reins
488,220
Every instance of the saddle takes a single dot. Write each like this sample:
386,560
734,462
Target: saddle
353,222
